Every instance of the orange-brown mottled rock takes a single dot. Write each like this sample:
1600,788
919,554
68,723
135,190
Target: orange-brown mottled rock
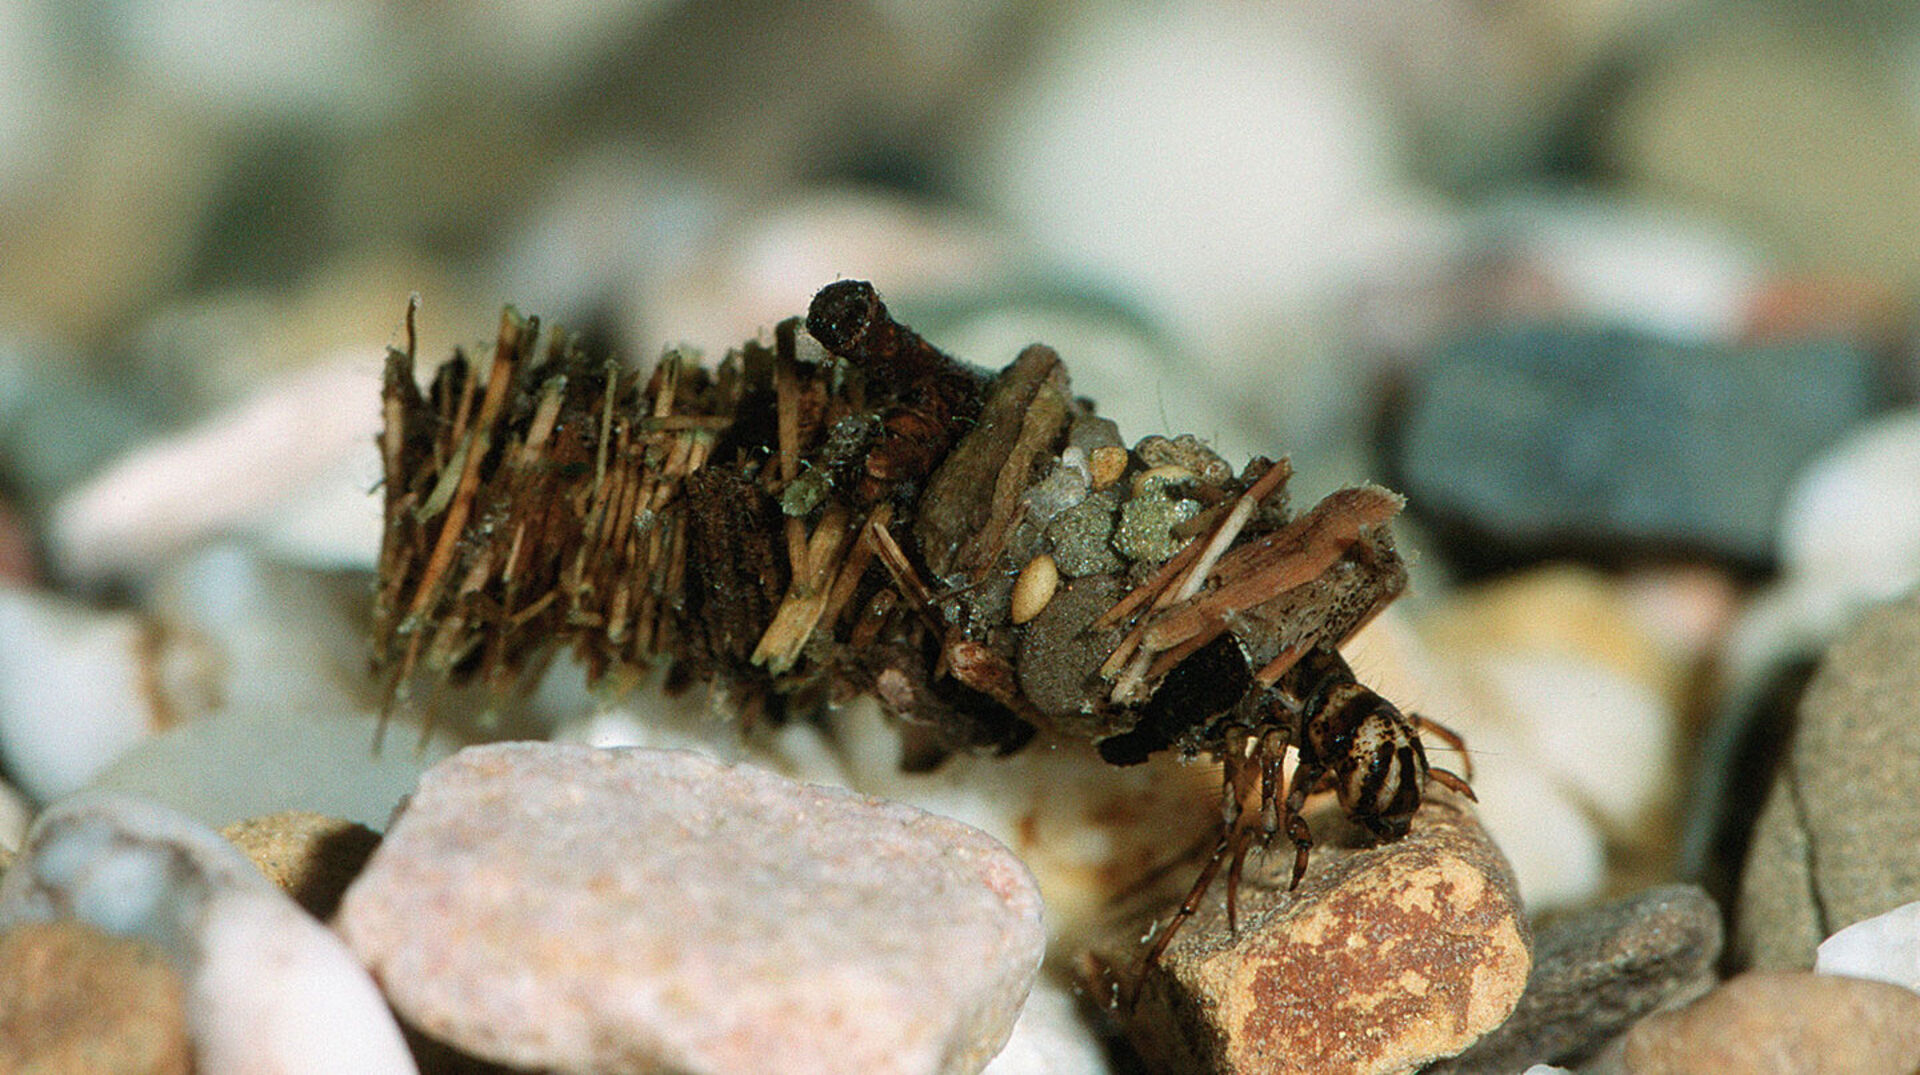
1386,958
1767,1022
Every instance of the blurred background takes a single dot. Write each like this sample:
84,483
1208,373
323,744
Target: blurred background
1233,218
1621,287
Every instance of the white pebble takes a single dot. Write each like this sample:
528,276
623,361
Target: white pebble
1885,948
1621,262
77,690
1556,851
1852,521
1051,1038
287,637
270,991
277,993
1236,157
1557,854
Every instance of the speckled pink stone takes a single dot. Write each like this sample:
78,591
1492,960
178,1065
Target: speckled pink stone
581,909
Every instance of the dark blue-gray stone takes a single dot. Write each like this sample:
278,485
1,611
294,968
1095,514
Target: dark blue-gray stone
1549,438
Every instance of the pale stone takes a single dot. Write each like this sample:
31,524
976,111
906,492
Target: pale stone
78,688
1051,1038
1778,1021
1552,845
1851,522
627,910
237,765
1885,948
1605,738
1839,840
305,447
1597,972
1631,261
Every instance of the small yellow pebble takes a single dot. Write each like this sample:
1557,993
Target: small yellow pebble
1106,464
1035,586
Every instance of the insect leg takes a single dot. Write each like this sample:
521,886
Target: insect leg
1191,904
1265,756
1305,776
1453,783
1448,736
1239,788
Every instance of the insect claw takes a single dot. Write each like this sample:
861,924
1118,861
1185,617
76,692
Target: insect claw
1453,783
1302,838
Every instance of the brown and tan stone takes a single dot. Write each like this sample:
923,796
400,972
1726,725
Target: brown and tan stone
1764,1022
1386,958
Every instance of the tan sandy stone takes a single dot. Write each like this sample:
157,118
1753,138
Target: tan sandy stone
309,856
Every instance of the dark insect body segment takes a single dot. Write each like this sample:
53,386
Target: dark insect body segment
803,531
936,398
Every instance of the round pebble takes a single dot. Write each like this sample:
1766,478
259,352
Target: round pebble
627,910
1051,1038
1781,1021
268,988
1598,971
1627,261
302,452
1606,738
78,688
237,765
1552,844
1851,521
1385,958
309,856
